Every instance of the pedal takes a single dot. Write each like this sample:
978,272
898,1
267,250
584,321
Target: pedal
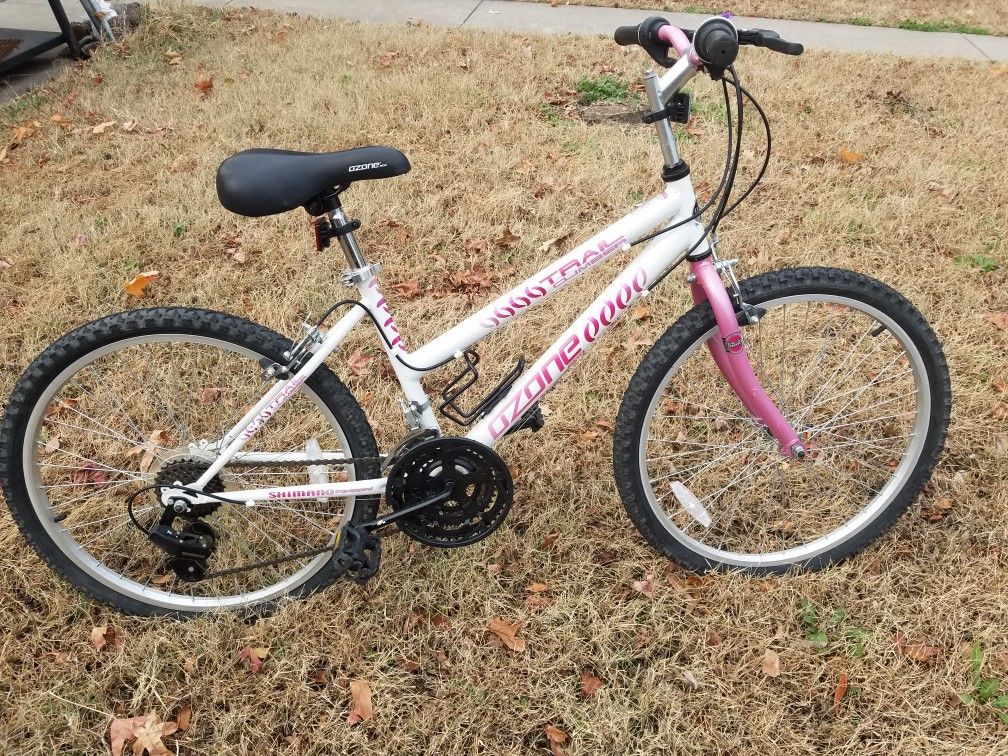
532,420
358,553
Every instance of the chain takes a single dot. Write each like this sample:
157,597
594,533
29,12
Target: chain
270,562
308,463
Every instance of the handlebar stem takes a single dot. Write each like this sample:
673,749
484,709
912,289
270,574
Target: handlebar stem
652,85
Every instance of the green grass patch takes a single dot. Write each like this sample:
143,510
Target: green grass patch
942,26
829,633
859,21
988,692
978,261
602,89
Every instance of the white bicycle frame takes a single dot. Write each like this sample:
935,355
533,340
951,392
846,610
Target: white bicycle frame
673,207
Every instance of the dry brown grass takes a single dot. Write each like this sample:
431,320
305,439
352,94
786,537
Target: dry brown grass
969,16
481,142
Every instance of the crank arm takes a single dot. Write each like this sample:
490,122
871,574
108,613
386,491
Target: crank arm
400,513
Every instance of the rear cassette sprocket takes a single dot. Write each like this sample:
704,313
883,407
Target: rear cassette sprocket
479,489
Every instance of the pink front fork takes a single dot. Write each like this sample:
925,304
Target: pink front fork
729,352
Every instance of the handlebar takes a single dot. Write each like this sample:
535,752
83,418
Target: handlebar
714,44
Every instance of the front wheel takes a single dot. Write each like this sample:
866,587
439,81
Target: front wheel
857,372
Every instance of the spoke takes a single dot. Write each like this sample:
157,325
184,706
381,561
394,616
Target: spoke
116,516
104,533
857,390
831,383
116,437
100,484
817,368
861,422
283,549
107,392
707,464
860,392
88,495
91,462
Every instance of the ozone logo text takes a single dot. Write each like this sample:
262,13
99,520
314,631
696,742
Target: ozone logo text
573,347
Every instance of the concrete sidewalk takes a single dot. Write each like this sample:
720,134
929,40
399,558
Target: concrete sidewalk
542,18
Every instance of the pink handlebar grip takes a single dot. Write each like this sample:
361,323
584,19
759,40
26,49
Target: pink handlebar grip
677,40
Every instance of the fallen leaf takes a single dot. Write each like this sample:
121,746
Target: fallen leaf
98,636
149,449
850,157
254,655
771,663
840,692
690,678
172,57
385,59
25,131
97,79
939,188
102,127
939,510
141,281
89,475
590,685
103,635
360,702
640,312
997,319
60,120
149,734
239,255
52,444
537,588
508,633
556,242
358,363
189,664
507,239
440,622
121,731
556,739
645,587
209,395
918,652
183,718
714,637
409,289
204,85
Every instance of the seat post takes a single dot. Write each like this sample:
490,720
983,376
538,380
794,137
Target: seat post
347,239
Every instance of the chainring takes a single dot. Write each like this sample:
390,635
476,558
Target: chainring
184,470
481,491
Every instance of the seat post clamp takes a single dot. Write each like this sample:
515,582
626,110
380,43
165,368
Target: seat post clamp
325,231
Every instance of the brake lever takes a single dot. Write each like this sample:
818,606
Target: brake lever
770,40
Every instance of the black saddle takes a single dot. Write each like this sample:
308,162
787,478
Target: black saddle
266,182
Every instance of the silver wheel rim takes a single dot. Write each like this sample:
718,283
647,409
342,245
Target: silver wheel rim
95,569
850,528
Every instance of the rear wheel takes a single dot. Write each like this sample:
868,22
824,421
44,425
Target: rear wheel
140,398
861,377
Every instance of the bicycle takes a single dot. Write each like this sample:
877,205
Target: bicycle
143,461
